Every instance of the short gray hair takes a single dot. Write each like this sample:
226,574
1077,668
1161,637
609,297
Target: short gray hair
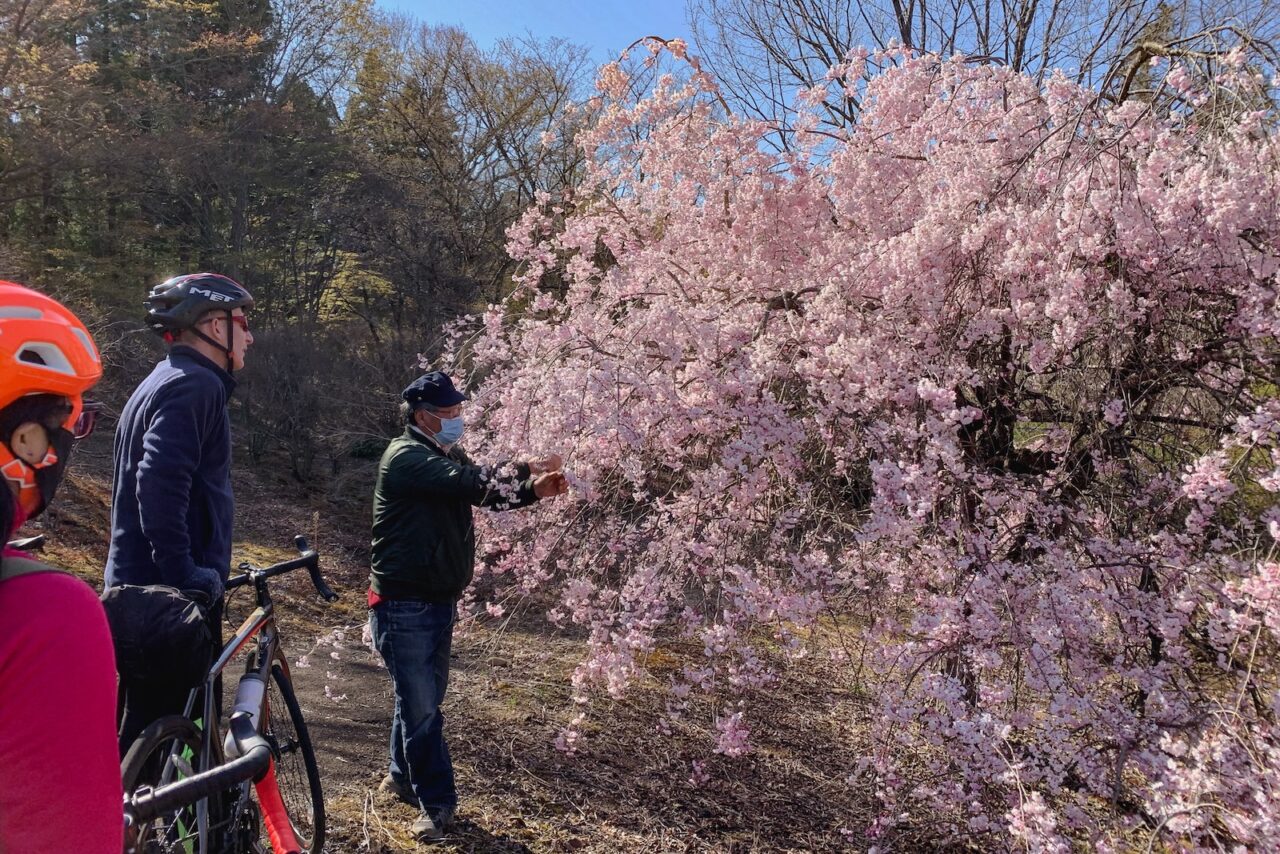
407,410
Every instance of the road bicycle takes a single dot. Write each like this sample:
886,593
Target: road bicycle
190,788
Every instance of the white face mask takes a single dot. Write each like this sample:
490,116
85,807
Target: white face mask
451,430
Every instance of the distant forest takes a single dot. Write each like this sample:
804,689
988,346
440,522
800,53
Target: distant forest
356,172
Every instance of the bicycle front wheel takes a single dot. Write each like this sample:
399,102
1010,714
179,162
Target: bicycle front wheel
166,751
297,774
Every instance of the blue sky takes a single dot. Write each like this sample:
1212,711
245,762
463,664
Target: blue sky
604,26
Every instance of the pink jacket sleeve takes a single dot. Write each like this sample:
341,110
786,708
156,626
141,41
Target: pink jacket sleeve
59,765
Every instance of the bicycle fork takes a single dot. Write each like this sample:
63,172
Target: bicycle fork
274,814
251,699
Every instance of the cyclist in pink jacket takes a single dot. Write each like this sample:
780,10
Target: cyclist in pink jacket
60,788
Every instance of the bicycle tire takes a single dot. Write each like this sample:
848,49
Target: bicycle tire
157,756
296,770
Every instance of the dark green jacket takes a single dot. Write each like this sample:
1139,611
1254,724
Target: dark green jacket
424,544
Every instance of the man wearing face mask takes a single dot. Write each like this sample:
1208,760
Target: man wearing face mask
171,502
423,558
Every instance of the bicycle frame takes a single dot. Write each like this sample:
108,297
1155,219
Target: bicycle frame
260,627
260,624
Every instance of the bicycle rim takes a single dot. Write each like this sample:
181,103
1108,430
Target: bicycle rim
166,751
294,760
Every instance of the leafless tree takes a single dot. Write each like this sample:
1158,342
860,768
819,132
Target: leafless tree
763,51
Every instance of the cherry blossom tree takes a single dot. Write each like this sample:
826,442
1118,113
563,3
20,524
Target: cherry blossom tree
984,386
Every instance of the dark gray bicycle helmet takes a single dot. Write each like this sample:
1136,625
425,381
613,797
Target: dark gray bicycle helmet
179,303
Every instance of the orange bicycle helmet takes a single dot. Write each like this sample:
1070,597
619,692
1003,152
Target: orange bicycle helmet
44,349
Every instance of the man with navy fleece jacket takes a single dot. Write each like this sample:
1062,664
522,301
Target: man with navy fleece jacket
171,511
172,508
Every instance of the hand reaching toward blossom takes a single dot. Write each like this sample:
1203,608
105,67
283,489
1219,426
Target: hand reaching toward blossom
550,485
545,464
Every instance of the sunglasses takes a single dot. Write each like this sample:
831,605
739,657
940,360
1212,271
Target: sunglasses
238,319
89,412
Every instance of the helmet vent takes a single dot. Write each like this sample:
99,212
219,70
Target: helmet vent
20,312
88,343
47,356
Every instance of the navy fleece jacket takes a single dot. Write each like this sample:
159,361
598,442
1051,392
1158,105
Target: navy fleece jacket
171,502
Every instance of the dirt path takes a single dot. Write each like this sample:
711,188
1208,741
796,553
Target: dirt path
629,791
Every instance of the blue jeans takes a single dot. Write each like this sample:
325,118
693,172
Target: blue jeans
414,639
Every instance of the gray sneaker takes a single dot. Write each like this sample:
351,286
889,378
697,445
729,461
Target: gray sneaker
400,789
430,829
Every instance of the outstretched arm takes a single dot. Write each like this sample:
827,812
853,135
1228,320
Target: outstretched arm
540,475
505,486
